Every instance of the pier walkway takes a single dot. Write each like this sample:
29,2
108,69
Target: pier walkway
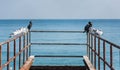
100,53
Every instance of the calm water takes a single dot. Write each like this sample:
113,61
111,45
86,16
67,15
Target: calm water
111,29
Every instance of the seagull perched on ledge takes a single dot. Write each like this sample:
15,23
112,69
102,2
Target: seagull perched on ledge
96,31
21,30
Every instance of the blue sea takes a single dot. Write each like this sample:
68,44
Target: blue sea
110,28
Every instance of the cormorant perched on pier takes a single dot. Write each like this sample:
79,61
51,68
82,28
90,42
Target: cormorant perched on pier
87,27
30,25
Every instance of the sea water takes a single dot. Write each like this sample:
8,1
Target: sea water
110,28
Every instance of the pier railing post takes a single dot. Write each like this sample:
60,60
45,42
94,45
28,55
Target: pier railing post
111,56
29,33
27,47
95,51
87,43
23,50
104,54
19,51
0,56
8,54
14,54
91,49
98,53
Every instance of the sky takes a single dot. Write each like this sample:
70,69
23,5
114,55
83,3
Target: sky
59,9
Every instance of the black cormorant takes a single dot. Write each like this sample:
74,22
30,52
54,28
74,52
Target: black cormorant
87,27
30,25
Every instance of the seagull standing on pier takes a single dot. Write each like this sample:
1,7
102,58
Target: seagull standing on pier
30,25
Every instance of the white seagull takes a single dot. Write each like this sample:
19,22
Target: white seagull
21,30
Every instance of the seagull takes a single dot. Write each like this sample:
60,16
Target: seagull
96,31
99,32
20,30
30,25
